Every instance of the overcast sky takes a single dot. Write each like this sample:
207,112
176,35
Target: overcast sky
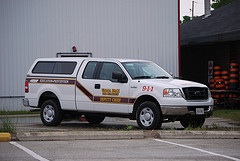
186,5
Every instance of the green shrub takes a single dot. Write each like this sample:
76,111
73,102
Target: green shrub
7,126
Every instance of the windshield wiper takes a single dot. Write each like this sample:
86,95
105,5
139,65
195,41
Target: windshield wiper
162,77
142,77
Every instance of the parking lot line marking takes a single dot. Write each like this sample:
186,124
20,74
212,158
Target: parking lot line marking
33,154
201,150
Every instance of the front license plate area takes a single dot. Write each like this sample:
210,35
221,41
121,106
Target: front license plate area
199,111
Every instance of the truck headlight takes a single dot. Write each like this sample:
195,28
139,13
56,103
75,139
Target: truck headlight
172,92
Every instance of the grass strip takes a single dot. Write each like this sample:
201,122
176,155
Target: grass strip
233,114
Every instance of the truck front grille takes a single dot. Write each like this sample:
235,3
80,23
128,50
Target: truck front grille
195,93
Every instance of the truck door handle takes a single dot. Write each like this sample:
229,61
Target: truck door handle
97,86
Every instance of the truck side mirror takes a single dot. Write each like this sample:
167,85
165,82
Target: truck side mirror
121,77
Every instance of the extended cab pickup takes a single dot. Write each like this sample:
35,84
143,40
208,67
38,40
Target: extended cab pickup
97,87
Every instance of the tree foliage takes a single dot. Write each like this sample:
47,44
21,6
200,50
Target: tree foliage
219,3
186,19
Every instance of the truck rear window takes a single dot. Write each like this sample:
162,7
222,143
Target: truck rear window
44,67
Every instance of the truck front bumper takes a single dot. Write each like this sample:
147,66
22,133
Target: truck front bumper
186,110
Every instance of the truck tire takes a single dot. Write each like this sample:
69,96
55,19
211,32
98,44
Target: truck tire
149,116
94,119
192,122
51,113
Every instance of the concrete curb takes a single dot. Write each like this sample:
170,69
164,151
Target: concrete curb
174,134
4,137
79,135
117,135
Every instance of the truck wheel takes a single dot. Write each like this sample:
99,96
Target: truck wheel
193,122
94,119
149,116
51,113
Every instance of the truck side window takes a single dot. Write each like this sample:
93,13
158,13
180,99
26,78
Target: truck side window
89,70
64,67
54,67
107,69
44,67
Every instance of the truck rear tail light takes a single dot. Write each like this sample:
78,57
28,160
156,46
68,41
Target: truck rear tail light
26,87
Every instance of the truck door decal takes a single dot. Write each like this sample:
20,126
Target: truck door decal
84,90
105,99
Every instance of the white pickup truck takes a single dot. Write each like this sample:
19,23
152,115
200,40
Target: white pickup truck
97,87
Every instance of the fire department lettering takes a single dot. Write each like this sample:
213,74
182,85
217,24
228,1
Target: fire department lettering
106,91
57,81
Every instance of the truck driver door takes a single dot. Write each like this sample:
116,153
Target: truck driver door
110,95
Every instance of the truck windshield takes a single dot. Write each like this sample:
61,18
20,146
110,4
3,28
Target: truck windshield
145,70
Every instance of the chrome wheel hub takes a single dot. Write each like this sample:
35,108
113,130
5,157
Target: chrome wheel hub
48,113
146,116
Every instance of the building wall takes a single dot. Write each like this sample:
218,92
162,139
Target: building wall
30,29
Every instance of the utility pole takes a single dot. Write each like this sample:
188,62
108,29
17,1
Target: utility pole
193,8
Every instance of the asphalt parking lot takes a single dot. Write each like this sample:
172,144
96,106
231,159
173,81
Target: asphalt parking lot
120,139
29,127
128,150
